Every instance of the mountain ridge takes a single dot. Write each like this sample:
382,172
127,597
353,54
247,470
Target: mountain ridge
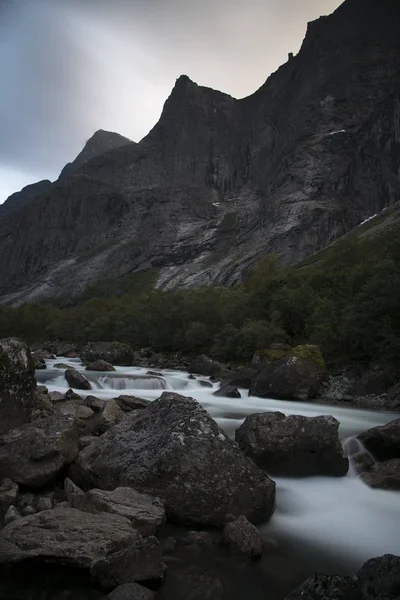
219,182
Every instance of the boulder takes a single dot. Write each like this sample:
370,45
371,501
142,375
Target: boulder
203,365
35,454
293,446
384,441
385,475
379,578
84,413
110,415
17,384
38,363
227,391
146,513
243,538
129,403
76,497
8,495
140,561
12,514
65,536
63,366
240,379
297,376
114,353
95,404
204,383
71,395
100,365
131,591
326,587
77,380
174,450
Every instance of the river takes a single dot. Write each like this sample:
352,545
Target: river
332,524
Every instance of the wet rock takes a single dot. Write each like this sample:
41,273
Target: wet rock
174,450
8,495
204,383
385,475
140,561
293,446
194,583
100,365
154,373
56,397
35,454
204,539
383,442
227,391
77,380
65,536
131,591
191,376
63,366
114,353
129,403
291,377
379,578
71,395
146,513
240,379
244,538
326,587
203,365
362,462
17,384
12,514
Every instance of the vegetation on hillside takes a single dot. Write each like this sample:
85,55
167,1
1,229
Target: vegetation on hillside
345,299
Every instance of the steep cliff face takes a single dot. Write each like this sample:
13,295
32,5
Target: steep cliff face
219,182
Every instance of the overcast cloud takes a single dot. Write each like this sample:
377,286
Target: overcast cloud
70,67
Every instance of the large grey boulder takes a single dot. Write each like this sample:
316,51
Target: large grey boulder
35,454
293,446
146,513
140,561
76,380
384,441
114,353
174,450
293,377
100,365
65,536
17,384
203,365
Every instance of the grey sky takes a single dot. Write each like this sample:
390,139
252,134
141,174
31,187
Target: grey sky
70,67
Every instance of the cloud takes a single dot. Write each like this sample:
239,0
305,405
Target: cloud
70,67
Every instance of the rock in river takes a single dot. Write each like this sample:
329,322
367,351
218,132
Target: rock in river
76,380
293,446
174,450
384,441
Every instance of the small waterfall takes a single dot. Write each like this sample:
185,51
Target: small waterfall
359,457
122,382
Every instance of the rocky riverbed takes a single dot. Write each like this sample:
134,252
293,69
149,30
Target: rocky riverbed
131,484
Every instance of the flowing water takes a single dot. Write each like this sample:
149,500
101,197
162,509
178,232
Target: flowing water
333,524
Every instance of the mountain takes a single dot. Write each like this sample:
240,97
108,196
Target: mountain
17,200
219,182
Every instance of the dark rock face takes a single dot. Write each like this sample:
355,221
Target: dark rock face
77,380
228,391
220,182
383,442
18,200
17,384
293,446
114,353
175,451
65,536
36,453
326,587
288,378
